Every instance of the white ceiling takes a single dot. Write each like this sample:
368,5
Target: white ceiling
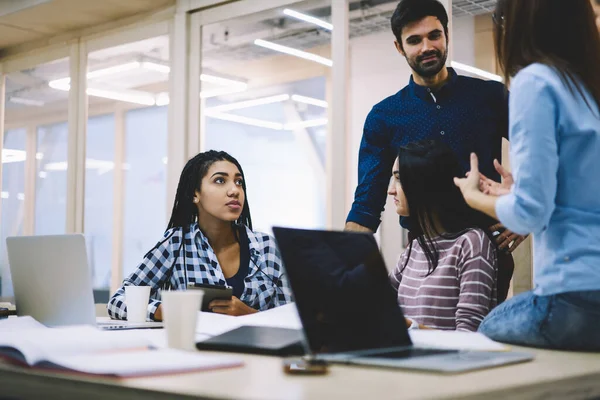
23,21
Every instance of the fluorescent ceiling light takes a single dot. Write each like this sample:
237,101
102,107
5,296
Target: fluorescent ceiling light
308,18
217,80
476,71
152,66
293,52
142,98
310,100
21,196
4,195
250,103
205,94
113,70
27,102
246,120
13,155
162,99
305,124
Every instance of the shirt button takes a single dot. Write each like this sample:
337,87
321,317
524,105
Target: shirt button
429,90
438,107
442,133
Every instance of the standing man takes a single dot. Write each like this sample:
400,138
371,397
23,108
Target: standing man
470,115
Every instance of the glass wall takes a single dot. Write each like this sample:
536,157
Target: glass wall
99,194
130,144
12,197
35,155
145,183
264,80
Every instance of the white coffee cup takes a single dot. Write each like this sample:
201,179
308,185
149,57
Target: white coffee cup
136,298
180,314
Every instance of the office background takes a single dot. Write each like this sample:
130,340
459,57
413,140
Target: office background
102,103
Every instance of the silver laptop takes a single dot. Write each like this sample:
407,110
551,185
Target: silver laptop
52,281
349,309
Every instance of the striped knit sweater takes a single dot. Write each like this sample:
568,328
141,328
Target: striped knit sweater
459,293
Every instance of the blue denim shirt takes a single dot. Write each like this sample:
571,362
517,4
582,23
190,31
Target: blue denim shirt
555,159
470,115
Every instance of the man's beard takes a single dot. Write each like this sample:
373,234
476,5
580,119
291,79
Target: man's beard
431,68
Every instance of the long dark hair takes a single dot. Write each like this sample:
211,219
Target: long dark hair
426,171
185,211
561,34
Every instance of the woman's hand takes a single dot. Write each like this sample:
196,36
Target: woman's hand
233,307
494,188
470,185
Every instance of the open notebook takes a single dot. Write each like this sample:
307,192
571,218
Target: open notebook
89,350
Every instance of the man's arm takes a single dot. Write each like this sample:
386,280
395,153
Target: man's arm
375,160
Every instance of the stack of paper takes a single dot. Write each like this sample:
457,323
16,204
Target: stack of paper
454,340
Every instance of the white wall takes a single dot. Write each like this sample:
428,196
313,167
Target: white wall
376,72
463,40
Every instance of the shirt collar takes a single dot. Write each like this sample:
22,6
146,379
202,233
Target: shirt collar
253,244
424,93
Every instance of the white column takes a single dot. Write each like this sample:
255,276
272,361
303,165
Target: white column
116,275
194,87
337,138
2,104
30,180
178,104
448,5
77,137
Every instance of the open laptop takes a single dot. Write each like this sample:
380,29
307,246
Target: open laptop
52,282
349,309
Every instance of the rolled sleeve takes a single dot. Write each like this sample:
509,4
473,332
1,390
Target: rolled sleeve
533,155
375,161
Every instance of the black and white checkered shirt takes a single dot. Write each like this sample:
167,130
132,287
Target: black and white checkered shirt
266,285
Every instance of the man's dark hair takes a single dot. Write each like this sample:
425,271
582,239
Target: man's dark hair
409,11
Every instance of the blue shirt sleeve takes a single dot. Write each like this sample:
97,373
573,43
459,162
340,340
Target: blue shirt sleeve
533,156
375,160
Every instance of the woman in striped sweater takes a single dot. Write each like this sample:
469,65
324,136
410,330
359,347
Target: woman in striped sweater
447,277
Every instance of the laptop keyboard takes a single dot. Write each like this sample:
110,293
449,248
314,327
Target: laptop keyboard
408,353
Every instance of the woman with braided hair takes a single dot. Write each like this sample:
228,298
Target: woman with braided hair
209,240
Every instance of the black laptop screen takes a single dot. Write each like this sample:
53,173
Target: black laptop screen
342,290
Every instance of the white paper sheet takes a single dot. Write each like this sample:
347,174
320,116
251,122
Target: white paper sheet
144,363
454,340
212,324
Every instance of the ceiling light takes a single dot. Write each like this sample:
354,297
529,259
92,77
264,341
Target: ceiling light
293,52
152,66
310,100
21,196
217,80
13,155
250,103
305,124
246,120
162,99
476,71
27,102
4,195
142,98
221,91
308,18
113,70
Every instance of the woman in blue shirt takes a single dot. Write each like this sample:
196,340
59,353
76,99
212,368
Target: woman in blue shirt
210,240
551,50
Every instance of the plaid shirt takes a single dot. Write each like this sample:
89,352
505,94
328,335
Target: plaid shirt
266,285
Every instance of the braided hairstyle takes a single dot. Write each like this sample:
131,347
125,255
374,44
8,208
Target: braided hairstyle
185,211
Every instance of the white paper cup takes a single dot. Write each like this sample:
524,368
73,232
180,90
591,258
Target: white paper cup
180,314
136,299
